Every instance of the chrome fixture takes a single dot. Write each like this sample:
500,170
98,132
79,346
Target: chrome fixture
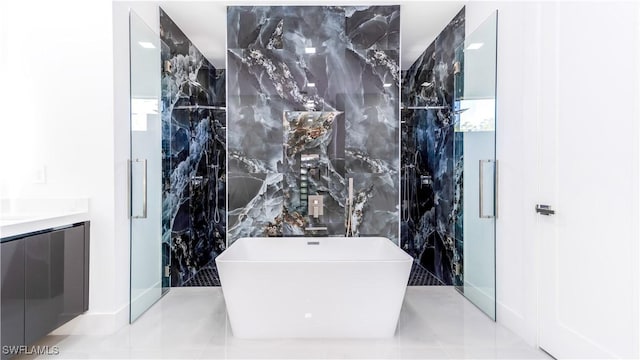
196,180
426,180
144,187
215,167
481,189
316,207
168,68
410,194
316,228
196,107
350,211
425,107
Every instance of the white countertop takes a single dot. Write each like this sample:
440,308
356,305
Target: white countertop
23,216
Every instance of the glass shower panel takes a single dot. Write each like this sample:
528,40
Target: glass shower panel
145,168
475,150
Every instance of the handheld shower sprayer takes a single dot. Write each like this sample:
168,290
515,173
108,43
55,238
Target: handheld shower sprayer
350,211
216,169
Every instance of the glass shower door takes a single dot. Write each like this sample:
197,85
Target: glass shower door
475,150
145,166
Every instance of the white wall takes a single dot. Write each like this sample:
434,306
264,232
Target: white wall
58,114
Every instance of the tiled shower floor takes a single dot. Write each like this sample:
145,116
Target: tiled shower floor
208,276
420,276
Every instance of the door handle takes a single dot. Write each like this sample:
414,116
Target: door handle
481,189
144,189
544,210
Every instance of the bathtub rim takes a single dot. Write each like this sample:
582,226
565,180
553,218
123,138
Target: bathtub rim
405,256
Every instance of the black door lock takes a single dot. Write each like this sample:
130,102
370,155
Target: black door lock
544,210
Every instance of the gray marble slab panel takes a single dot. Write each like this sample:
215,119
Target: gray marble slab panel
331,60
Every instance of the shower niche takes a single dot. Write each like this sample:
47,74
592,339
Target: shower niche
314,176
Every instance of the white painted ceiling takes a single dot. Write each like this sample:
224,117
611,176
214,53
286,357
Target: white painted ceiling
204,22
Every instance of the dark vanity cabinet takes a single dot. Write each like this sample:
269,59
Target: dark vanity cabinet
45,278
12,294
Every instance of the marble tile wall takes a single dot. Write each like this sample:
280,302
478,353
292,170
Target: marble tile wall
313,101
194,153
431,172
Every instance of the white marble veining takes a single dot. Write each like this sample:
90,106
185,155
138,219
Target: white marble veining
22,216
190,323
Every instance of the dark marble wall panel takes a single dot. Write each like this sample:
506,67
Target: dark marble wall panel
458,202
380,31
194,155
419,81
332,111
373,106
262,214
376,193
431,176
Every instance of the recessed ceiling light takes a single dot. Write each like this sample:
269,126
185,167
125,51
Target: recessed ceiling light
474,46
311,85
386,85
310,50
146,45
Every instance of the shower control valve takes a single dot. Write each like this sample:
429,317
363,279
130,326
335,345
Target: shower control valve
316,206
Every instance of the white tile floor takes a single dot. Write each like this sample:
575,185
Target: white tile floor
190,323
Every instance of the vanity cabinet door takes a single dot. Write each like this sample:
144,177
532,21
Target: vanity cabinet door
12,294
55,280
73,274
43,285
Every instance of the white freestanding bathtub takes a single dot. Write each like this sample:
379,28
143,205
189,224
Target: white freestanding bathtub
313,287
